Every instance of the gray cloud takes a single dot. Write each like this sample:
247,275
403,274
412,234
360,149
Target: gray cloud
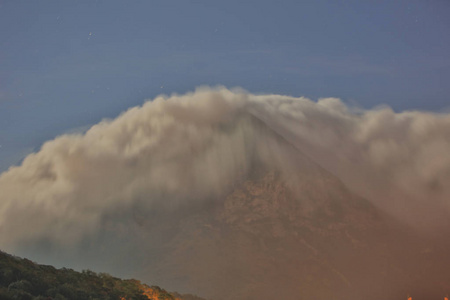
180,149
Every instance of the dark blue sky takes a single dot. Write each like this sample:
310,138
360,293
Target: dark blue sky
65,65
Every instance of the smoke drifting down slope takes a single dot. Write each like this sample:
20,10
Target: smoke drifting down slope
222,193
183,149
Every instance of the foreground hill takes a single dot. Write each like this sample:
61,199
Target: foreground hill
25,280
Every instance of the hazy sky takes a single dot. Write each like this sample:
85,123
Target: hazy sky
65,65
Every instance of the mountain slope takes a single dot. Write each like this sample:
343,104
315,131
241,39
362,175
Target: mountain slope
296,232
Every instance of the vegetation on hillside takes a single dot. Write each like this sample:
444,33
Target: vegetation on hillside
22,279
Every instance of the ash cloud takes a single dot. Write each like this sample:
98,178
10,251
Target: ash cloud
178,150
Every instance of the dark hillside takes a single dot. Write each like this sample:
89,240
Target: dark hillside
25,280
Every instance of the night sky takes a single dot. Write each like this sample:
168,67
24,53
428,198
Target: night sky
67,65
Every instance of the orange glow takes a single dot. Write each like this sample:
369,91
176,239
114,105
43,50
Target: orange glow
151,294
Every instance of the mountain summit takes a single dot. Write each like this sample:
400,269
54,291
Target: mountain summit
236,196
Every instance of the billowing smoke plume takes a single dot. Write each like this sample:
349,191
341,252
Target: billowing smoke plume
178,150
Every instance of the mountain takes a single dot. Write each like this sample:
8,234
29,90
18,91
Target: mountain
24,280
282,228
297,232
